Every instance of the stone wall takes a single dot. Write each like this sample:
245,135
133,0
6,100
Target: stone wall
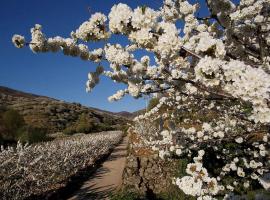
148,174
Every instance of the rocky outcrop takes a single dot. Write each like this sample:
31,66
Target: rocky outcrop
56,115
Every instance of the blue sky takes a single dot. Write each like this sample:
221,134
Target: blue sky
53,74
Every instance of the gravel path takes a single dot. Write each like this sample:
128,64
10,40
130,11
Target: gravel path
107,178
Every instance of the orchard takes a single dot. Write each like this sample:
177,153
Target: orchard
211,75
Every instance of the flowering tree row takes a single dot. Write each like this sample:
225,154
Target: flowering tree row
219,62
228,157
36,169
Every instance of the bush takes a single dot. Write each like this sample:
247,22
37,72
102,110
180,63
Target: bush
1,140
102,127
14,128
175,193
3,128
85,125
11,121
31,135
69,130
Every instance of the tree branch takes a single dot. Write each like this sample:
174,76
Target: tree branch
205,18
191,52
157,91
218,95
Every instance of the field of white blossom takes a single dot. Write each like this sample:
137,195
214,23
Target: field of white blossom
28,170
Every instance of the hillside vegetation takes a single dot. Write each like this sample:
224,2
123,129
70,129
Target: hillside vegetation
55,115
13,128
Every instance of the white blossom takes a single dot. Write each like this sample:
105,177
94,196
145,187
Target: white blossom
18,41
144,18
94,29
116,54
190,185
239,140
119,18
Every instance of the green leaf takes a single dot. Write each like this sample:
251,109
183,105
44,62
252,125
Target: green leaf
144,9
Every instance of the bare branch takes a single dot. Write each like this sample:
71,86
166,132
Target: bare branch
191,52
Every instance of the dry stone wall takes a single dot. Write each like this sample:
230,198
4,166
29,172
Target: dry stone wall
148,174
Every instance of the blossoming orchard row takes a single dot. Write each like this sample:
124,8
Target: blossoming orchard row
36,169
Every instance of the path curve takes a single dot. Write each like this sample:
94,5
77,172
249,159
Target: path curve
107,178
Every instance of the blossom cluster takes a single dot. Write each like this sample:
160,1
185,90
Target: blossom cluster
93,78
115,54
198,183
69,46
120,17
94,29
239,80
18,41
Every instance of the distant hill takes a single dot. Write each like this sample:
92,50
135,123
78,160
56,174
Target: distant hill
56,115
126,114
130,115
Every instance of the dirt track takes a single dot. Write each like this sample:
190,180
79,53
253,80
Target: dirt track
107,178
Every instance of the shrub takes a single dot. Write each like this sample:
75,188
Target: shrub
1,140
14,128
69,130
3,133
175,194
12,121
85,124
102,127
2,109
30,135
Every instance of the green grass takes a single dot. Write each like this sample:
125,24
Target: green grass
125,194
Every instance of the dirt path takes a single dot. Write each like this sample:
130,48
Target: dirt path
107,178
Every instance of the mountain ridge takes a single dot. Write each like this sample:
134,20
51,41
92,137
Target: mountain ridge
8,90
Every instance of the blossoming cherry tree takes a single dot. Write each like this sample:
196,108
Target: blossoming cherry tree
218,63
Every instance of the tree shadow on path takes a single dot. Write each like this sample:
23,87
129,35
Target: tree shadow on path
97,186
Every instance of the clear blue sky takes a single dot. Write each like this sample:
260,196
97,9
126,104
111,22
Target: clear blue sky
53,74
